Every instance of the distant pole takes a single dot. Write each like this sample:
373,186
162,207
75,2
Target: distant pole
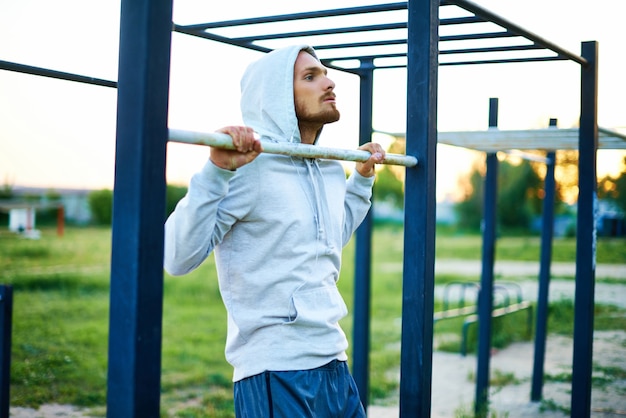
543,295
586,235
60,220
485,302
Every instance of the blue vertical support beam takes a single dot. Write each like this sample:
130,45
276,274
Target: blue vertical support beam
419,210
485,302
362,267
136,304
547,233
6,322
585,234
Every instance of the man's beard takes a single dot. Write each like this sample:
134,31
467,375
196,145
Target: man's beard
322,117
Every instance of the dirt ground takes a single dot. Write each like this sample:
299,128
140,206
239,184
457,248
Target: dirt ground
453,386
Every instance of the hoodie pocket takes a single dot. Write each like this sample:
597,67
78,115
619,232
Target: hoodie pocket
318,308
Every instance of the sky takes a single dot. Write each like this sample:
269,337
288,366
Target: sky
60,134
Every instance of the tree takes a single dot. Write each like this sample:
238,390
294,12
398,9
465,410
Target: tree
469,209
518,196
101,206
389,188
6,191
390,179
173,195
614,188
101,203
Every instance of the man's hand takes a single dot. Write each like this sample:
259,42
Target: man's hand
247,148
367,168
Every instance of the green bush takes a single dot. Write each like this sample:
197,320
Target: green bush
101,205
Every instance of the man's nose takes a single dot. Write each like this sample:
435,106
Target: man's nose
331,84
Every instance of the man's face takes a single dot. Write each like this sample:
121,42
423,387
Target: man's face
313,91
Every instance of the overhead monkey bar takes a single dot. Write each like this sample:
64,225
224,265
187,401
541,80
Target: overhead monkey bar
394,26
505,140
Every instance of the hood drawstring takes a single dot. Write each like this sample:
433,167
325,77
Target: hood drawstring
317,180
317,202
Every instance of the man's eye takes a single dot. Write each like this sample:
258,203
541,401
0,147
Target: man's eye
308,77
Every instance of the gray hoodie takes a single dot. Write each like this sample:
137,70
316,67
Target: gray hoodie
277,226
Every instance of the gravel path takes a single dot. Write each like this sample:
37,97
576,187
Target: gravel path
453,390
526,269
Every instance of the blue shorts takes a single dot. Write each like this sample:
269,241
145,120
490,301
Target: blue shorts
325,392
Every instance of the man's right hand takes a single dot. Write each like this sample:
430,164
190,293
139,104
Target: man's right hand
247,148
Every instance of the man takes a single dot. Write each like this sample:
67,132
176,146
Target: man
277,225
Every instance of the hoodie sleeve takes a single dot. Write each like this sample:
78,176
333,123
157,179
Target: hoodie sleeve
197,224
357,203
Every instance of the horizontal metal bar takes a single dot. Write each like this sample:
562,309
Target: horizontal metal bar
611,132
512,27
301,16
320,32
45,72
221,140
528,156
491,49
366,57
222,39
461,20
475,36
504,61
360,45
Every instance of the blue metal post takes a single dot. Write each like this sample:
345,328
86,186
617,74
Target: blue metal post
135,317
585,234
6,322
419,210
485,300
362,267
547,232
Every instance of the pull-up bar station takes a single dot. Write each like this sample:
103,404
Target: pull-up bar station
407,36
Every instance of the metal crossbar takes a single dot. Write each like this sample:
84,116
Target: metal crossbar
216,139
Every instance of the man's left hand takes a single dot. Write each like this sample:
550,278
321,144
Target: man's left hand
367,168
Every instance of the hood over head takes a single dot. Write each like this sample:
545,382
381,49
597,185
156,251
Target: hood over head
267,102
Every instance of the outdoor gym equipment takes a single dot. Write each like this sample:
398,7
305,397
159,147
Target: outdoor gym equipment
503,289
134,373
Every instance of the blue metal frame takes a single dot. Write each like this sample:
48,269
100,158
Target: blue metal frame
586,235
60,75
136,272
419,212
547,233
363,253
134,376
6,322
485,299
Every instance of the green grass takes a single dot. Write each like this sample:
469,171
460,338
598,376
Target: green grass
469,247
60,318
